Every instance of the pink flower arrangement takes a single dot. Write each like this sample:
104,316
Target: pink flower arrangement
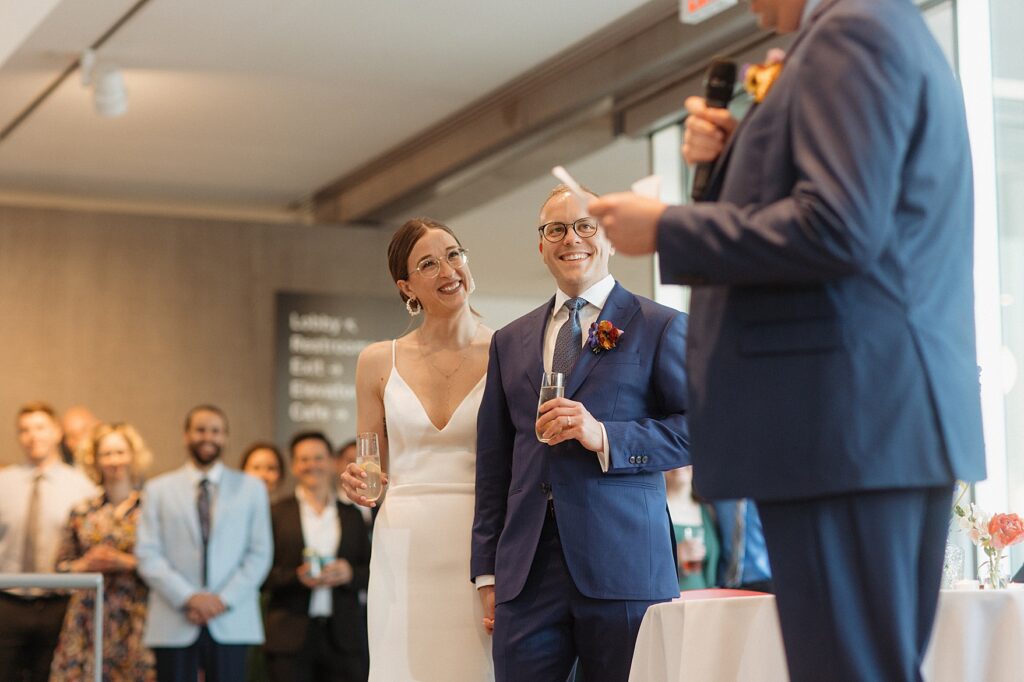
991,534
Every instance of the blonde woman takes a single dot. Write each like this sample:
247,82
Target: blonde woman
100,538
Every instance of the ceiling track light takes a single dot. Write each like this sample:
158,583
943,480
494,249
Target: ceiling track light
109,96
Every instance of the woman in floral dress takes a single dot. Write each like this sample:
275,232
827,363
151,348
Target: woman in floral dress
100,538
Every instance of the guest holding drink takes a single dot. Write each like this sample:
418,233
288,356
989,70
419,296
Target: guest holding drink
697,547
420,395
264,461
100,538
571,538
315,624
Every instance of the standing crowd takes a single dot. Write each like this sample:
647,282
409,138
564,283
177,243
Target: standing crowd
184,557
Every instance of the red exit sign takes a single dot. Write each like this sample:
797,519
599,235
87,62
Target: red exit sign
696,11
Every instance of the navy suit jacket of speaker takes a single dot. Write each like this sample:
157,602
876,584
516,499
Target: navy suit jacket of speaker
831,342
614,527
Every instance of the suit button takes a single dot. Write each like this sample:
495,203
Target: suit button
645,459
632,459
545,488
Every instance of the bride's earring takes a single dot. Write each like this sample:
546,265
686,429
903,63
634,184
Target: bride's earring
472,285
413,306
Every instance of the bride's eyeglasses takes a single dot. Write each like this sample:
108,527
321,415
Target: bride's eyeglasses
430,267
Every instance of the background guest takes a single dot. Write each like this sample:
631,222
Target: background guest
744,562
100,538
204,548
697,547
77,424
316,625
264,461
34,505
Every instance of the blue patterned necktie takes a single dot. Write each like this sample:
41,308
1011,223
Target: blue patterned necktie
569,341
203,507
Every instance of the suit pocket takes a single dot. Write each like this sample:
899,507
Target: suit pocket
627,483
790,336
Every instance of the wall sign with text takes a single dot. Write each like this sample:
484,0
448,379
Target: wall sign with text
317,342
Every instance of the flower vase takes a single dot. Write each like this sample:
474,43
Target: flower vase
996,579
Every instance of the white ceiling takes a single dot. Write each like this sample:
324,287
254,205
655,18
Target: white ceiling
254,104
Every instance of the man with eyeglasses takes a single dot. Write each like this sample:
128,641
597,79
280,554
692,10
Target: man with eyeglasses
571,538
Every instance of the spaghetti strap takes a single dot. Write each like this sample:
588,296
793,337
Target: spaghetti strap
393,342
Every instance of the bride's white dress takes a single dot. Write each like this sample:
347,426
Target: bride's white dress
424,613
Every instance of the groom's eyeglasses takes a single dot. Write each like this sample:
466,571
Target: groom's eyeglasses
430,267
585,228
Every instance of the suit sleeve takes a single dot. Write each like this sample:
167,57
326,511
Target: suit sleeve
282,574
849,140
660,442
151,554
494,444
252,570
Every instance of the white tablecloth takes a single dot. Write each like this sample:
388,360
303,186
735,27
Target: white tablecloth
978,636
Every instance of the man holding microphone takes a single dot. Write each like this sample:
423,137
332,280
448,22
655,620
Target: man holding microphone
831,351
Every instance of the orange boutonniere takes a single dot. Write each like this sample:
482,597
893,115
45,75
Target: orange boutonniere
603,336
758,79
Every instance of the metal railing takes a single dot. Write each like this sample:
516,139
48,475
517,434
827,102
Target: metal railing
67,581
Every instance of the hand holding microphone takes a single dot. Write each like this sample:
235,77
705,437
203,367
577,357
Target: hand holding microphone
709,124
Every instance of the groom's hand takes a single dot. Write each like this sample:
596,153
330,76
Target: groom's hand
562,419
487,599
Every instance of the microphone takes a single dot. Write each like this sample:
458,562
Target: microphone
718,87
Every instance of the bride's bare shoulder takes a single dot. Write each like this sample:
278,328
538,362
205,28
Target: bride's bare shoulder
375,357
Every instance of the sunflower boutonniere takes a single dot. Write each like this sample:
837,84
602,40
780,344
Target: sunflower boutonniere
758,79
603,336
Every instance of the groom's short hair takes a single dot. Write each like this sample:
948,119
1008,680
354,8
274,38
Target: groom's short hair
561,188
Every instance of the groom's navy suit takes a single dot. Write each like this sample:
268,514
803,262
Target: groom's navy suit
613,527
831,346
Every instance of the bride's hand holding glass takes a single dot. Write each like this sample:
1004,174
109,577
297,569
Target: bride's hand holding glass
354,484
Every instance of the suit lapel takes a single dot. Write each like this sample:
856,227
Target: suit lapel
532,335
619,309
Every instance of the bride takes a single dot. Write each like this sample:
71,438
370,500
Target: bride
420,394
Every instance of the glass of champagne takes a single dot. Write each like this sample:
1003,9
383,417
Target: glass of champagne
368,459
552,385
692,550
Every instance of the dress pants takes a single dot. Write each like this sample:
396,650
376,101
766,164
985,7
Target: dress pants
319,659
539,634
219,662
856,581
29,630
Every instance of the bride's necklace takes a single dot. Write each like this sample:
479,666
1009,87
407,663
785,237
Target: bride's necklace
463,355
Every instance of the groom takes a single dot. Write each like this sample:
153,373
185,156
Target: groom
572,538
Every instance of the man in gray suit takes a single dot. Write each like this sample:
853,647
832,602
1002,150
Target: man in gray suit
831,353
204,548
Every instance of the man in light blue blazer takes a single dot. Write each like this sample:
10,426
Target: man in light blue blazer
204,548
831,354
572,539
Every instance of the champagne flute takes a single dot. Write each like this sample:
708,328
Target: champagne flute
552,385
368,459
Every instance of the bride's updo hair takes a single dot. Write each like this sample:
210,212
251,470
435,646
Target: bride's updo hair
402,244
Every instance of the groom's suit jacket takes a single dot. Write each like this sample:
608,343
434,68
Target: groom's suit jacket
614,527
169,550
831,341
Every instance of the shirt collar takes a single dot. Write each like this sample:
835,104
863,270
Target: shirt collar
300,495
809,8
212,474
597,295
